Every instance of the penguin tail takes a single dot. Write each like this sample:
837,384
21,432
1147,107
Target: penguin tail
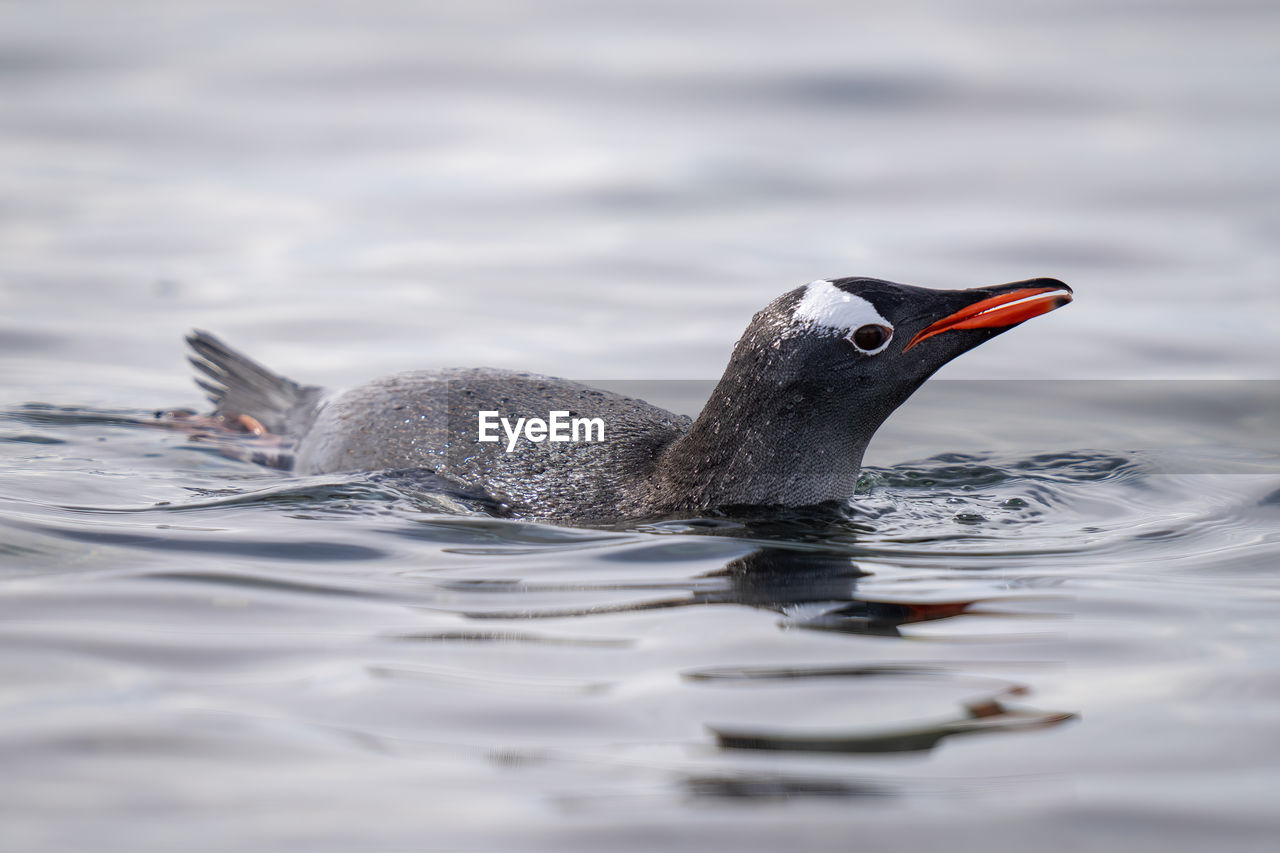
247,397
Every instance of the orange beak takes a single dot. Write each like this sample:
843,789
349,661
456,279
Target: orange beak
997,312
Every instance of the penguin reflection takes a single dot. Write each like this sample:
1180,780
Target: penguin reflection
810,588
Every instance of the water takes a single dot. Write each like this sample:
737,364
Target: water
1046,619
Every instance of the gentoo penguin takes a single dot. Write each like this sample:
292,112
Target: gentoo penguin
812,378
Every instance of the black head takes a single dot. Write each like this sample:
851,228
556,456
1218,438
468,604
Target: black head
877,333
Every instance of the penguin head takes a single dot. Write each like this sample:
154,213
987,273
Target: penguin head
881,338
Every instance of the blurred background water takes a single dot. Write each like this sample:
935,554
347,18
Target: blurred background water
1048,617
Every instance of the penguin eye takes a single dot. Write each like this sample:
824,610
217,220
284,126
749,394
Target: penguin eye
871,338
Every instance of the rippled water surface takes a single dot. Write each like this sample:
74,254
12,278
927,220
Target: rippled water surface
1046,620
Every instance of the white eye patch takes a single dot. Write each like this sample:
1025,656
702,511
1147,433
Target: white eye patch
826,306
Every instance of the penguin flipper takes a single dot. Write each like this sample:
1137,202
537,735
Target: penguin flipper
241,388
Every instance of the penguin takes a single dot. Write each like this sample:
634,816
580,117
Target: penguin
815,374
